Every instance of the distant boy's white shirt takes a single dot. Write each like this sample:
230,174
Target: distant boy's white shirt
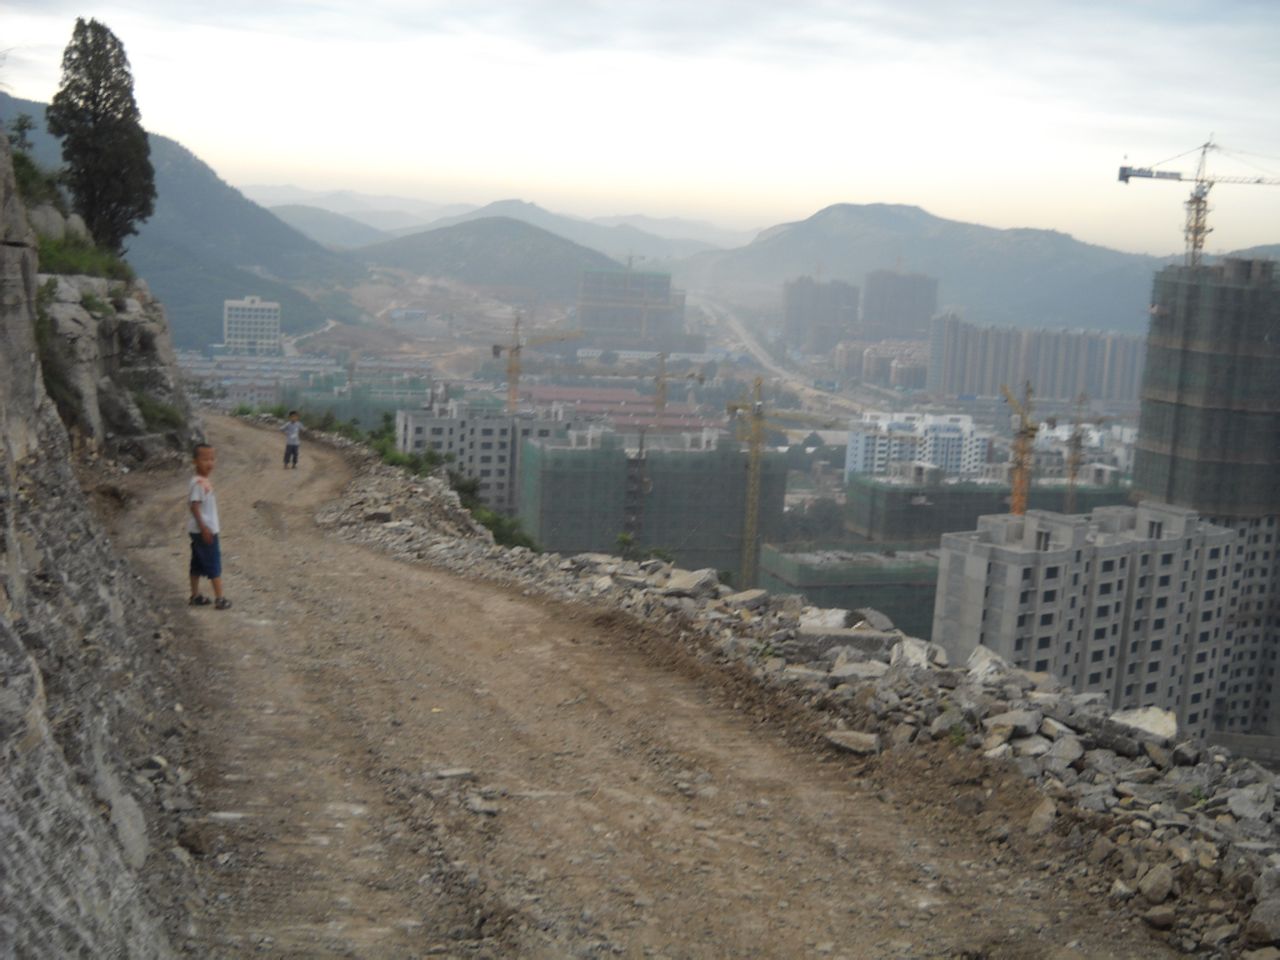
292,430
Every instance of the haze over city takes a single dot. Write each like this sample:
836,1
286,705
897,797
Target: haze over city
746,114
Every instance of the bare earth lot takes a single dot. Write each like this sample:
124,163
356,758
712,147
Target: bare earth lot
397,762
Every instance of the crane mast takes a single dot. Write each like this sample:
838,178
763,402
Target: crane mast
1020,455
1197,223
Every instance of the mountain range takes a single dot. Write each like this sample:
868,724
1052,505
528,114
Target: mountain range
208,242
1020,277
509,258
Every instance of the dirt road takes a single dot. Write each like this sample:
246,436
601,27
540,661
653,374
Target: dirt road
397,762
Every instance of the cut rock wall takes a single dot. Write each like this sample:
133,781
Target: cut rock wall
80,676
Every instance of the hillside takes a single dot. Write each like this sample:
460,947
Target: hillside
504,256
206,243
327,228
383,212
618,241
1020,277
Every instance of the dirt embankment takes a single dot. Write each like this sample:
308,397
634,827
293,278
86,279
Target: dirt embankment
395,762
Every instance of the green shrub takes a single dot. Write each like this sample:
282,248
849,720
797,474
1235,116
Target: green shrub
73,255
35,184
96,305
242,410
157,414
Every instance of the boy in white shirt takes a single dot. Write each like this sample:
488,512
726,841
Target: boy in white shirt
203,527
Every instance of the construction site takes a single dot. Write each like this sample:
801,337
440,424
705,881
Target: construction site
682,495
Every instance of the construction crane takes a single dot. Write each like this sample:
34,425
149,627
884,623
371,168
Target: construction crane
750,415
1023,438
515,348
1075,449
1197,204
660,388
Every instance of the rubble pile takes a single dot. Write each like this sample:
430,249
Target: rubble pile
1182,833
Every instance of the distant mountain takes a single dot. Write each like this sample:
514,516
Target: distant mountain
1018,277
619,242
327,228
510,258
382,212
206,243
674,228
1268,251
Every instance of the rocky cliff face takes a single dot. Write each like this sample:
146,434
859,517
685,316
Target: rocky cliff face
81,678
109,363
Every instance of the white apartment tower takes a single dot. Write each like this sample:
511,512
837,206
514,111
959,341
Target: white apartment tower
1130,602
251,326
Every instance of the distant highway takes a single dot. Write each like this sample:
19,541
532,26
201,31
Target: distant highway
820,401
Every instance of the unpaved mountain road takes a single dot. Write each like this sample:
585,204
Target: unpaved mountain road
396,762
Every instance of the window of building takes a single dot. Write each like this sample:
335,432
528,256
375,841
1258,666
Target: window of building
1044,643
1095,678
1049,596
1051,573
1042,666
1042,539
1097,655
1046,619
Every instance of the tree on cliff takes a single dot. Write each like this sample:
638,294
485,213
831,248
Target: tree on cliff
105,149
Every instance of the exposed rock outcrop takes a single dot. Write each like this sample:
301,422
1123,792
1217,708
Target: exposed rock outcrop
81,680
109,360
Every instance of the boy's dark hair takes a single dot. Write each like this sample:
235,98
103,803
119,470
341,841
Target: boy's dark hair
293,413
195,451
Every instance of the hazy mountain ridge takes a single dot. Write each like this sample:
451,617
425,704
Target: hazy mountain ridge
333,230
677,228
506,256
1021,276
620,241
206,243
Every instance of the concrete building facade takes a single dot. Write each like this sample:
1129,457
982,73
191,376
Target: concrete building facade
251,326
898,306
635,309
481,442
1129,602
1209,440
948,441
817,315
966,359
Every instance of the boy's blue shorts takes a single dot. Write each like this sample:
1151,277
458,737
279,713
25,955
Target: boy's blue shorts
206,558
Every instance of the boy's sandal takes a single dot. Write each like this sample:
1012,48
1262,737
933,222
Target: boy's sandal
199,600
222,603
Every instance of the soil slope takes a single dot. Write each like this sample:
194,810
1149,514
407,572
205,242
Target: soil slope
397,762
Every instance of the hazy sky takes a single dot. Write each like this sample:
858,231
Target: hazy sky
745,112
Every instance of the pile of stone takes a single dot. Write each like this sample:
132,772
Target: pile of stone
1186,835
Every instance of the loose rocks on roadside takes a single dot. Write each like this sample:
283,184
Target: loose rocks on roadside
1182,833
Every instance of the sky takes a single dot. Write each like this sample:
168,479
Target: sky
747,113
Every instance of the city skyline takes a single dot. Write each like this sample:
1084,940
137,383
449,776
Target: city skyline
1009,115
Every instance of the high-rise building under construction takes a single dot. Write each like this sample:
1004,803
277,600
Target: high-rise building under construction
1209,440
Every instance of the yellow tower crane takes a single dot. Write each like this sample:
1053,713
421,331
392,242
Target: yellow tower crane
750,414
1197,227
753,424
1023,438
514,350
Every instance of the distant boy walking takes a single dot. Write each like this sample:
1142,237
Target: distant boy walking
292,429
203,527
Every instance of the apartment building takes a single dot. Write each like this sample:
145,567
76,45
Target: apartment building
481,442
948,441
1133,603
251,326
